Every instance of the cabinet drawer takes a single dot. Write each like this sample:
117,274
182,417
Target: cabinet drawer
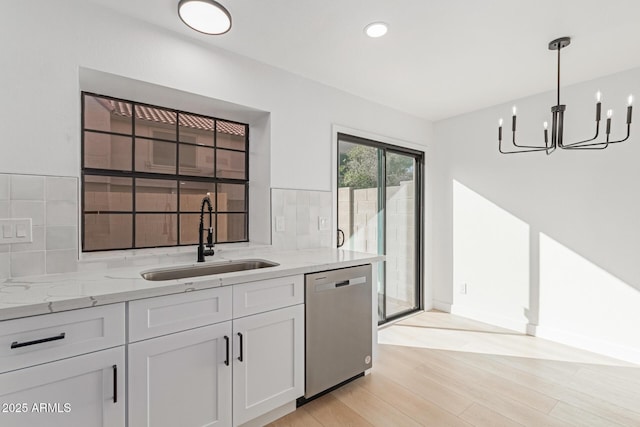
256,297
39,339
157,316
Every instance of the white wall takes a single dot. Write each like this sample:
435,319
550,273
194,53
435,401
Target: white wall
544,243
45,44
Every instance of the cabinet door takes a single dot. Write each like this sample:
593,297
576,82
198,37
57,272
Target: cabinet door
268,363
181,379
83,391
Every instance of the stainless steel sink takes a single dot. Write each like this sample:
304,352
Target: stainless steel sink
206,269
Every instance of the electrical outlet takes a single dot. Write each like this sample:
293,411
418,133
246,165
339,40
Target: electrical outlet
280,226
463,288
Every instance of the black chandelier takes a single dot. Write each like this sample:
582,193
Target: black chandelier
557,121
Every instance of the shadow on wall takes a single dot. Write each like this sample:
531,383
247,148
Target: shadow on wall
520,277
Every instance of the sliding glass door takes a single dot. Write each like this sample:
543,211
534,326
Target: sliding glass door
380,211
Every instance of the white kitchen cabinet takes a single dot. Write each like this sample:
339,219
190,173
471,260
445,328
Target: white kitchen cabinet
268,363
85,390
177,370
182,379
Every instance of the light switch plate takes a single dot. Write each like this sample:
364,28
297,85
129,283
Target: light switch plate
7,231
280,227
16,230
323,223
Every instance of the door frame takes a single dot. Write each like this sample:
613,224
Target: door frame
398,147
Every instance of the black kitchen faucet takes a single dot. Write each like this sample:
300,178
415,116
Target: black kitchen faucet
202,252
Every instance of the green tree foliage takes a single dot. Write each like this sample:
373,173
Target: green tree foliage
359,168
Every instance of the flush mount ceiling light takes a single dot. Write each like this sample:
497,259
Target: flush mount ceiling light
557,121
205,16
376,29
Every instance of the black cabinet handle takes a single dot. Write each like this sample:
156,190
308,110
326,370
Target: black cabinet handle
115,383
226,360
340,238
17,344
241,350
343,283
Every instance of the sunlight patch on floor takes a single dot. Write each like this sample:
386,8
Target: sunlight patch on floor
443,331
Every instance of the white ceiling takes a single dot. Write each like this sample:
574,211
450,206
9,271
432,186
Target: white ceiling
440,58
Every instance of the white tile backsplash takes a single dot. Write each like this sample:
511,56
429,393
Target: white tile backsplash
37,244
27,263
61,188
27,187
33,209
301,210
4,208
5,265
62,238
4,187
62,261
52,204
62,213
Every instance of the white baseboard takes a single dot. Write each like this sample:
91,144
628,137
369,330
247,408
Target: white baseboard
442,306
614,350
491,318
605,348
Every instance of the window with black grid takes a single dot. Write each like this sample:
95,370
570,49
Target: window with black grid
146,169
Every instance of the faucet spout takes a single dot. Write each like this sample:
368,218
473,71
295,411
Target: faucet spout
202,252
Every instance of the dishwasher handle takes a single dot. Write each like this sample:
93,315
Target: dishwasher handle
320,287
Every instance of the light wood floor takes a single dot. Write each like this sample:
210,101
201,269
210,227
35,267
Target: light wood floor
436,369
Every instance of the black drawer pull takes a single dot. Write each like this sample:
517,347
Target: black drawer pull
115,383
343,283
226,360
17,344
241,350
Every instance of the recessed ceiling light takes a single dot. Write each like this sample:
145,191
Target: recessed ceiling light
376,29
205,16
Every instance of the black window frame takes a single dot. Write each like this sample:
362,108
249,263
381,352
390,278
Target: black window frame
214,180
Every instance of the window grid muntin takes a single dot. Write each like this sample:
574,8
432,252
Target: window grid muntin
134,174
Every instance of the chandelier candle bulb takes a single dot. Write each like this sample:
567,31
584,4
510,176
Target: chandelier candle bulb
629,109
500,130
598,96
546,132
609,114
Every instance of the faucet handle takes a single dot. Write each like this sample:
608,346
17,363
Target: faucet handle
210,237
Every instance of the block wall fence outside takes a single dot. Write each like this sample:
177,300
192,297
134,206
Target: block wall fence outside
358,216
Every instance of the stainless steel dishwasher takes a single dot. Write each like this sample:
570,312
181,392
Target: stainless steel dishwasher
338,327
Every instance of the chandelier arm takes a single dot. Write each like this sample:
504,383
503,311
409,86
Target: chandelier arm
537,147
522,151
596,146
600,145
530,150
625,138
586,140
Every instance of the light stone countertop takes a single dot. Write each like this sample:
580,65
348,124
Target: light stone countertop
29,296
